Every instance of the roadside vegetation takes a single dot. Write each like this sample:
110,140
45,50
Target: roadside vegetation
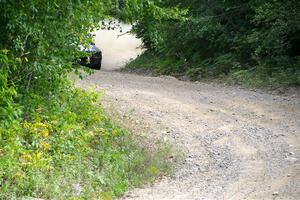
56,142
254,43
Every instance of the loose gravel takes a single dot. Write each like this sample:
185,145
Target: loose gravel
238,144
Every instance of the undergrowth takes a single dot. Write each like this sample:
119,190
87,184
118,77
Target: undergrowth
254,77
66,148
156,64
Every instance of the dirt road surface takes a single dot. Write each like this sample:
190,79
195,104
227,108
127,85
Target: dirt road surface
238,144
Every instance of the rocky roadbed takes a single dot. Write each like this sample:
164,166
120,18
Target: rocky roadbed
239,144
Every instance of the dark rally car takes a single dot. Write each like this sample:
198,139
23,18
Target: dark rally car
93,61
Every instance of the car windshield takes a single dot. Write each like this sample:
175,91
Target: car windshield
92,48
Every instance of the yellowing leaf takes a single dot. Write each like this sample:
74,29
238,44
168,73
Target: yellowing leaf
45,145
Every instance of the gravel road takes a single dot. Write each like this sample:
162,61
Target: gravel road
239,144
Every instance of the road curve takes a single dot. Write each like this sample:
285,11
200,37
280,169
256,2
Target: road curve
239,144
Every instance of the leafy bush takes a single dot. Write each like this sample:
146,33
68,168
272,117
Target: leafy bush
217,38
68,148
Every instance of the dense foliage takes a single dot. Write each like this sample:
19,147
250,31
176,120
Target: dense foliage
55,141
248,40
39,41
